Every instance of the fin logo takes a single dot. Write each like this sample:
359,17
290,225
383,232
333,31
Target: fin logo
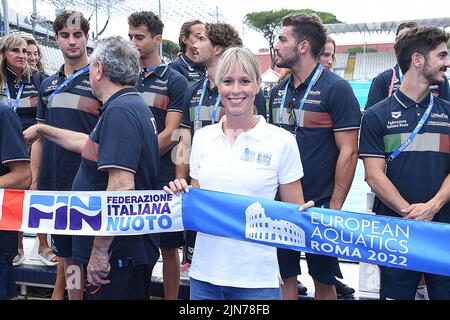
65,212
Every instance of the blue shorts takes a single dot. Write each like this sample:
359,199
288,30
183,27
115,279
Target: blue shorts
62,245
201,290
127,283
322,268
7,277
400,284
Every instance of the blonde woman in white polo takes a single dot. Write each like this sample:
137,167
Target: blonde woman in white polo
224,158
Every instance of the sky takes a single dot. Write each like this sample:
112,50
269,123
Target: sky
349,11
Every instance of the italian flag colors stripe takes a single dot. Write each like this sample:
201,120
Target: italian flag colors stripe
435,142
308,119
11,209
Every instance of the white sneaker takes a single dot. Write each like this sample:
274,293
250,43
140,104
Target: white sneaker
422,292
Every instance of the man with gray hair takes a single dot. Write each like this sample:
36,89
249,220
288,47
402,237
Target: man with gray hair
114,160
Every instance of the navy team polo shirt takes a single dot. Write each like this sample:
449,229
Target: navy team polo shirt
12,148
73,108
379,89
418,171
163,91
28,104
133,148
331,106
192,98
188,68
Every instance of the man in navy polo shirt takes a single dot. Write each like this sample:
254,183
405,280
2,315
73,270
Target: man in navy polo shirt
162,88
65,101
15,173
115,160
193,72
387,82
321,110
212,42
184,64
413,183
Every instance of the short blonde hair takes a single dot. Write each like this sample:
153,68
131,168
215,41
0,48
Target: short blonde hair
241,57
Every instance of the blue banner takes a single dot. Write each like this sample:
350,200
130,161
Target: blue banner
388,241
393,242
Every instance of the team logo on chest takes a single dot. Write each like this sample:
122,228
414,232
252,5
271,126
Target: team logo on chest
396,114
281,93
397,123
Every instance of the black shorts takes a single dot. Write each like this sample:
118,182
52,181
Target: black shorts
128,283
322,268
288,262
400,284
7,277
171,240
62,245
189,237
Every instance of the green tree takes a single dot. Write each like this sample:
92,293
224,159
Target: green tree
170,50
268,23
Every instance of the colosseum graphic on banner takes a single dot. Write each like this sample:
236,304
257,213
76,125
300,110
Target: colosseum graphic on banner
260,227
394,242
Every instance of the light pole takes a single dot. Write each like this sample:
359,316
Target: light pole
34,17
6,15
96,19
160,16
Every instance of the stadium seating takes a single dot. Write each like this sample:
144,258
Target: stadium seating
341,61
369,65
53,58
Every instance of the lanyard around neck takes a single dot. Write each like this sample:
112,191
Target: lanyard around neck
150,69
17,101
393,78
190,68
199,106
67,81
400,74
302,102
415,131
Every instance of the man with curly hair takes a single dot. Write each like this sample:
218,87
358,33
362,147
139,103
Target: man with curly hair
212,42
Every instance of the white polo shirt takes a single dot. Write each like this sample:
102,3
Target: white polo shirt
254,165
